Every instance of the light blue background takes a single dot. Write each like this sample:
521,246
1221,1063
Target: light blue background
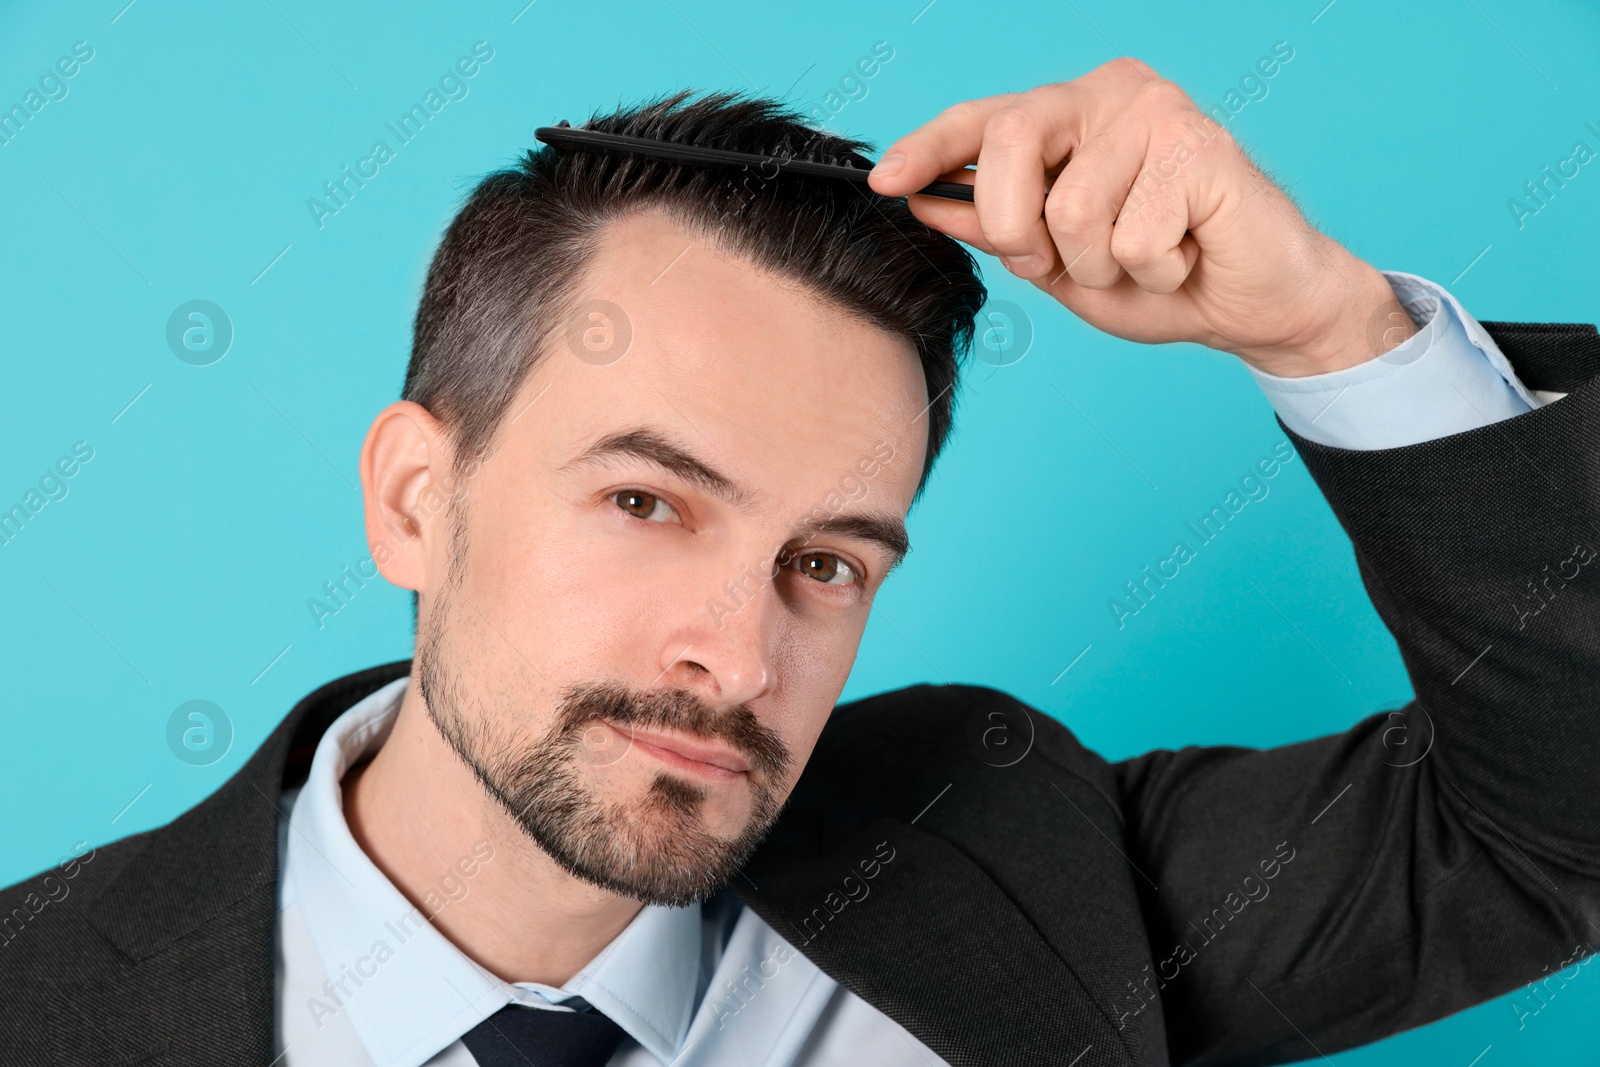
179,166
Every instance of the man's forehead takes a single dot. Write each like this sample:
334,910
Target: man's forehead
751,368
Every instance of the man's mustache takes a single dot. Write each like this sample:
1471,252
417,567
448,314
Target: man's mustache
672,709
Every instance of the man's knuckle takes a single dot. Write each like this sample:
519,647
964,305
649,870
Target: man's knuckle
1012,124
1129,67
1134,249
1073,209
1163,95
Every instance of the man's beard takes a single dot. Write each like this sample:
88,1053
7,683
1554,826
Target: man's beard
656,849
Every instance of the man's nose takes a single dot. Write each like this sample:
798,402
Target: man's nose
723,648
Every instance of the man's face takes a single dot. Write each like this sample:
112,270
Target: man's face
664,569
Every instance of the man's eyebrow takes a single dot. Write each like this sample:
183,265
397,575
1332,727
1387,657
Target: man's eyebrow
654,447
886,532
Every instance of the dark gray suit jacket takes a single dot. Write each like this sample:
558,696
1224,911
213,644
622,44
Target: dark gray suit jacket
1209,905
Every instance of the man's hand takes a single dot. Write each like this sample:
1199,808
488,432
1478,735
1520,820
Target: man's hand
1156,226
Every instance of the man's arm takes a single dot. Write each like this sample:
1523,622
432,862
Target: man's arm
1325,894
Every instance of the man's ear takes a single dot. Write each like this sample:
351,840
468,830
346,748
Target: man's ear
402,461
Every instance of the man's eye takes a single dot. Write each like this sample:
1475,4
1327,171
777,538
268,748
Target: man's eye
642,505
825,567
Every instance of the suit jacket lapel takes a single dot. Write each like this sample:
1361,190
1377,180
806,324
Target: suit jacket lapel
194,916
1006,928
934,944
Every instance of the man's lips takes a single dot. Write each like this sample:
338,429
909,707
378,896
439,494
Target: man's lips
694,755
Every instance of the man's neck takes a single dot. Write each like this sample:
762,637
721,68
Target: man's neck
419,813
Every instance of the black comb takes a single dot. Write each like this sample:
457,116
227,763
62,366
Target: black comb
566,136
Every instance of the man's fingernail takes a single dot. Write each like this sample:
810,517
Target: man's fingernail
890,165
1024,266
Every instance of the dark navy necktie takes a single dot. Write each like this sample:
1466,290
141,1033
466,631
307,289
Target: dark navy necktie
516,1036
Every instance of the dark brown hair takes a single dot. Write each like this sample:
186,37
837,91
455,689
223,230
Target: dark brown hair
503,279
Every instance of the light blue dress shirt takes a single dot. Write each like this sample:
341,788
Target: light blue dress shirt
1448,377
365,980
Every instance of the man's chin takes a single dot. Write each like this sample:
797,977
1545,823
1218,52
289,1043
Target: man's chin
655,849
674,802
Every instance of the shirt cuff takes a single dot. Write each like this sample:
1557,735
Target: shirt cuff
1447,378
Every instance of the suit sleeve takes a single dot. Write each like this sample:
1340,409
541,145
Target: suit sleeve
1325,894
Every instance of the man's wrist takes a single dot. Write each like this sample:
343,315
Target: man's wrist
1440,381
1366,320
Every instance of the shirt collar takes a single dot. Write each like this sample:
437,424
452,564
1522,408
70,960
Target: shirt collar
408,990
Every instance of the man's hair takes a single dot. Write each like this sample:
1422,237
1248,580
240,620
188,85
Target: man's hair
505,278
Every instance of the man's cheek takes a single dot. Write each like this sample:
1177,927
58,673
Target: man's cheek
801,744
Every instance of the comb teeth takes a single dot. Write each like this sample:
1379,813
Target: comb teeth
563,135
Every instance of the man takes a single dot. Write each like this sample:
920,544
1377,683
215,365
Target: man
660,431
